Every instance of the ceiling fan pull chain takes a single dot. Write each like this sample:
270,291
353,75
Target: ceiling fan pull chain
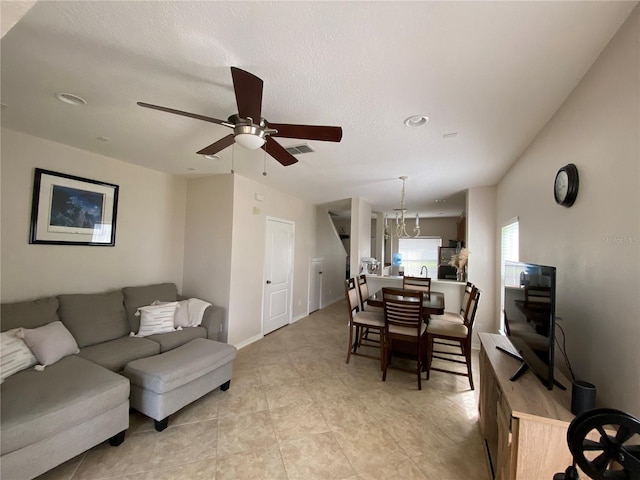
264,169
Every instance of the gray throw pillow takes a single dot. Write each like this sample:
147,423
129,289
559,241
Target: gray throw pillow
49,343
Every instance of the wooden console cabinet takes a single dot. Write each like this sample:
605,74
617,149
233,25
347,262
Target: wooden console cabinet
523,423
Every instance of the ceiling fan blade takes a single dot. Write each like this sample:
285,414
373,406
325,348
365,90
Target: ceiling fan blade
307,132
215,147
248,90
187,114
278,152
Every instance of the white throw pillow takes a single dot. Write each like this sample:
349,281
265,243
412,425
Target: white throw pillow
156,319
181,317
49,343
14,354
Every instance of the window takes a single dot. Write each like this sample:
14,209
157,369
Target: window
510,252
419,252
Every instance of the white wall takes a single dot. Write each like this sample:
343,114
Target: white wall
481,240
330,248
360,233
149,232
595,244
207,251
248,252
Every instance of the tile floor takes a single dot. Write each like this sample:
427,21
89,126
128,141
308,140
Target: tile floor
296,410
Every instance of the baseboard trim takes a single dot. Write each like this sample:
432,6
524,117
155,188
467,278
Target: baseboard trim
249,341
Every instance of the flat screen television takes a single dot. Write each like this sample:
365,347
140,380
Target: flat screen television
529,317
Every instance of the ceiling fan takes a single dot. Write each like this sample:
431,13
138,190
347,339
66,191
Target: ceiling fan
249,128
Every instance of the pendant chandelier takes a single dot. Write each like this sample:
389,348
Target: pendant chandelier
401,225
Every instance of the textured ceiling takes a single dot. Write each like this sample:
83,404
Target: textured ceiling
494,72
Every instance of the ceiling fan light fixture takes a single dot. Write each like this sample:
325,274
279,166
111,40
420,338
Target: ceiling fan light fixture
249,136
416,120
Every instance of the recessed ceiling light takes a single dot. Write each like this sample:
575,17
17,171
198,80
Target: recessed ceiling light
416,120
71,99
212,157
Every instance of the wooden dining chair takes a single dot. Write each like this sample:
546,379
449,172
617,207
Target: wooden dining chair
403,324
417,283
363,291
450,335
360,320
458,316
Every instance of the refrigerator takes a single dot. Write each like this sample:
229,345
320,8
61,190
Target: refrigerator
446,271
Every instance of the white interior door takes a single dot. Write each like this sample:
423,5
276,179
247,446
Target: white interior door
315,285
278,275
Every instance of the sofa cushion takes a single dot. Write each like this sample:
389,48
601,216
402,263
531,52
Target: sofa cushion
115,354
94,317
38,404
168,371
31,314
171,340
136,297
49,343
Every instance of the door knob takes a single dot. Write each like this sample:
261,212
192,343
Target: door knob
268,282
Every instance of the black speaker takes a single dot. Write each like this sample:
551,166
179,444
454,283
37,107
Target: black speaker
583,397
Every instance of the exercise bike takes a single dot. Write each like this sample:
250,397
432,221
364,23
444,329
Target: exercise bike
605,444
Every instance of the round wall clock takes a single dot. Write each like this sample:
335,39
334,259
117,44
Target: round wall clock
565,186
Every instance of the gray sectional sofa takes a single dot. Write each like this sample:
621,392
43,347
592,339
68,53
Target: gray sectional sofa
52,415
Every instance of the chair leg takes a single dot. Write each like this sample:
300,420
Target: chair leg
381,351
385,362
467,354
427,366
357,339
350,342
419,365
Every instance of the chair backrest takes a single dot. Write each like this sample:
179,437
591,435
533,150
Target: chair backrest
466,299
473,307
402,308
351,295
417,283
363,290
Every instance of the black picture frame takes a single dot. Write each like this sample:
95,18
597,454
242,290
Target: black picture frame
70,210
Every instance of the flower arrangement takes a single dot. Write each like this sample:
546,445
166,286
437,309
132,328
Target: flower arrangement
459,260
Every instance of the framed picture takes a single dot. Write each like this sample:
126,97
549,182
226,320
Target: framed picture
68,210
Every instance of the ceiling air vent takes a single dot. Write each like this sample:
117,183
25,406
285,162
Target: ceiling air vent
298,149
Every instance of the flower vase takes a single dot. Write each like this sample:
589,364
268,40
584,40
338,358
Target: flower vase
461,275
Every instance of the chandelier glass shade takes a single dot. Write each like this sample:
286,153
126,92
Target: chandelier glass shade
401,224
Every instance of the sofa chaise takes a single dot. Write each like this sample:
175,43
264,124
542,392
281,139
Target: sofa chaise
49,415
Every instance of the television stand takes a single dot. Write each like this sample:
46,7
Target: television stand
521,421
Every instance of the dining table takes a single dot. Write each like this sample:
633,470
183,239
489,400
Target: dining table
432,302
